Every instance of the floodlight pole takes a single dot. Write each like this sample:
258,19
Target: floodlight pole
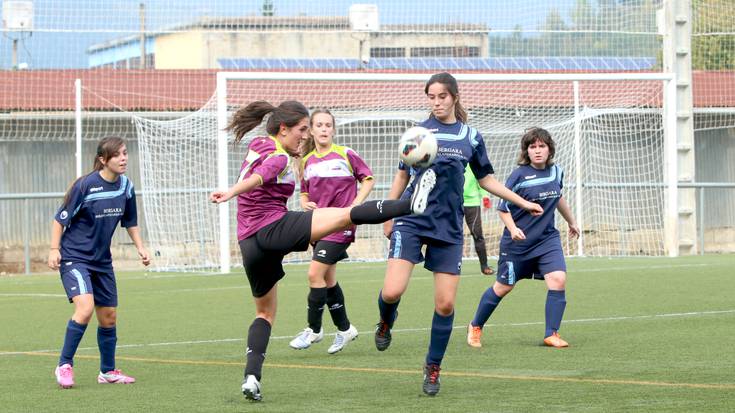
78,125
14,60
142,36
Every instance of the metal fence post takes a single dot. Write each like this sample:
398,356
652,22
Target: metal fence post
27,236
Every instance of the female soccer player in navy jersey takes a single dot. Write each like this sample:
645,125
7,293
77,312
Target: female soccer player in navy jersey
440,227
81,234
267,231
329,179
530,246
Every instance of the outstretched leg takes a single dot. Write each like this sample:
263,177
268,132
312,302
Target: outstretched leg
325,221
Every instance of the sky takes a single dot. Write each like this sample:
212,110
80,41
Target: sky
64,29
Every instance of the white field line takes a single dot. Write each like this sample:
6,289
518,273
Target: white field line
36,295
358,266
402,330
343,281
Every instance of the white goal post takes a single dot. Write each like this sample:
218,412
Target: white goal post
669,157
615,135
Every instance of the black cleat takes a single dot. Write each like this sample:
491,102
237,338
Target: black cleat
382,336
431,379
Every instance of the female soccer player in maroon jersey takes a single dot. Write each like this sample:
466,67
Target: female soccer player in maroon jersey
267,231
330,174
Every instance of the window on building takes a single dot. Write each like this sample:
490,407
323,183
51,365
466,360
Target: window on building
449,51
387,52
150,61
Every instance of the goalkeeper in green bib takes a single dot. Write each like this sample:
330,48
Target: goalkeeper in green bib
474,197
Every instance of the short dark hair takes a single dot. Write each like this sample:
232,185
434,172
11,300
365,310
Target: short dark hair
532,135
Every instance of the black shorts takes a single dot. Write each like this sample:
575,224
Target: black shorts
263,252
329,252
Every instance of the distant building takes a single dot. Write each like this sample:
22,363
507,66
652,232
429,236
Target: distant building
203,44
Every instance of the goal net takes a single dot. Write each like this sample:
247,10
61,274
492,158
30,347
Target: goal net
609,131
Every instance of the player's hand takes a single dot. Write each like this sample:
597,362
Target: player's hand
218,197
517,234
387,228
308,206
574,231
145,257
534,209
54,258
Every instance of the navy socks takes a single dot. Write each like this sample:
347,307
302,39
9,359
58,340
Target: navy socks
441,330
107,342
555,304
485,307
74,334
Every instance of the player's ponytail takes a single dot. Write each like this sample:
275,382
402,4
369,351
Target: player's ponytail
107,148
288,113
453,88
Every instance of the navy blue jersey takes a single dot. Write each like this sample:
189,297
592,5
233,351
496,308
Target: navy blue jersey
94,209
542,186
459,145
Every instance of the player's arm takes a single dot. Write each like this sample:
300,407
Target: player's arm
244,186
366,186
490,184
566,213
515,233
54,254
400,182
134,234
306,205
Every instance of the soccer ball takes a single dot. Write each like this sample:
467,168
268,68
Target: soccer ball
417,147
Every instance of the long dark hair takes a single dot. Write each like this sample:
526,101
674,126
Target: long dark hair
106,149
532,135
288,113
453,88
309,144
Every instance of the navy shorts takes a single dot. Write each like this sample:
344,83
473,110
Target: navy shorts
512,269
79,279
329,252
263,252
441,256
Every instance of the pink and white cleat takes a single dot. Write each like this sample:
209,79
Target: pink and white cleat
65,376
114,377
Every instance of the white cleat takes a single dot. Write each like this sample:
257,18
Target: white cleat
420,197
306,338
342,338
251,388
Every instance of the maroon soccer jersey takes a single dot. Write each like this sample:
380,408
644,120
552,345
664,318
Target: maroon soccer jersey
330,180
266,203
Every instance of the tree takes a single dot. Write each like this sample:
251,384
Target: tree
268,9
713,35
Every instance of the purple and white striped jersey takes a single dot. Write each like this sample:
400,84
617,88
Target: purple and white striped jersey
266,203
330,180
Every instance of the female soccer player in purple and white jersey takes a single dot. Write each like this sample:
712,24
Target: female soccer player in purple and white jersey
81,234
267,231
330,174
440,228
530,246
